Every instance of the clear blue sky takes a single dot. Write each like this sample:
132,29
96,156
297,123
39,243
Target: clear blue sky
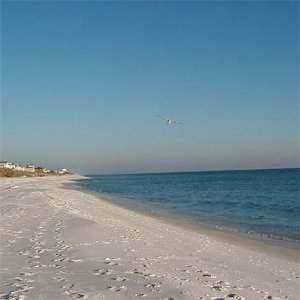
82,83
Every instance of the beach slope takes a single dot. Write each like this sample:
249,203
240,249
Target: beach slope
58,243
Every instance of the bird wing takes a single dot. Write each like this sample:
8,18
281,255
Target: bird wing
175,122
162,117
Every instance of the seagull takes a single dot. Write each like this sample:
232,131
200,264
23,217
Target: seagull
169,121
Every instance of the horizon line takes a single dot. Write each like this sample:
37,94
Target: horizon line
193,171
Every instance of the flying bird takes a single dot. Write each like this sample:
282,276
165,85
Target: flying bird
169,121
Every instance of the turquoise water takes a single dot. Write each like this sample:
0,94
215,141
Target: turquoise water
260,203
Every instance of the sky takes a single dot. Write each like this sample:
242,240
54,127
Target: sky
82,82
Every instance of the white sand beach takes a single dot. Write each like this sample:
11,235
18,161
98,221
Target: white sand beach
58,243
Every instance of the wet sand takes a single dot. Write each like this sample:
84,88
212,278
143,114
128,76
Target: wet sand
58,243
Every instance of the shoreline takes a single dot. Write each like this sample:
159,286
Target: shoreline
61,243
268,246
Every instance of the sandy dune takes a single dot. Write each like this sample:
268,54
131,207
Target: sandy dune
62,244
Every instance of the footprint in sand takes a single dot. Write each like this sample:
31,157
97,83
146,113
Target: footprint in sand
111,263
120,279
22,287
59,259
59,279
102,272
12,296
229,296
58,254
25,252
67,289
77,295
234,296
273,298
154,287
114,288
59,266
74,295
76,260
20,279
140,295
134,271
26,274
112,259
206,274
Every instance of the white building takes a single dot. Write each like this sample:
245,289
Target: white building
30,168
19,168
63,171
7,165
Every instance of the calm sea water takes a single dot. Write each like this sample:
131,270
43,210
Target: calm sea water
259,203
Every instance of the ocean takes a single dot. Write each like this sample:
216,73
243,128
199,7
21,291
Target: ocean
261,204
